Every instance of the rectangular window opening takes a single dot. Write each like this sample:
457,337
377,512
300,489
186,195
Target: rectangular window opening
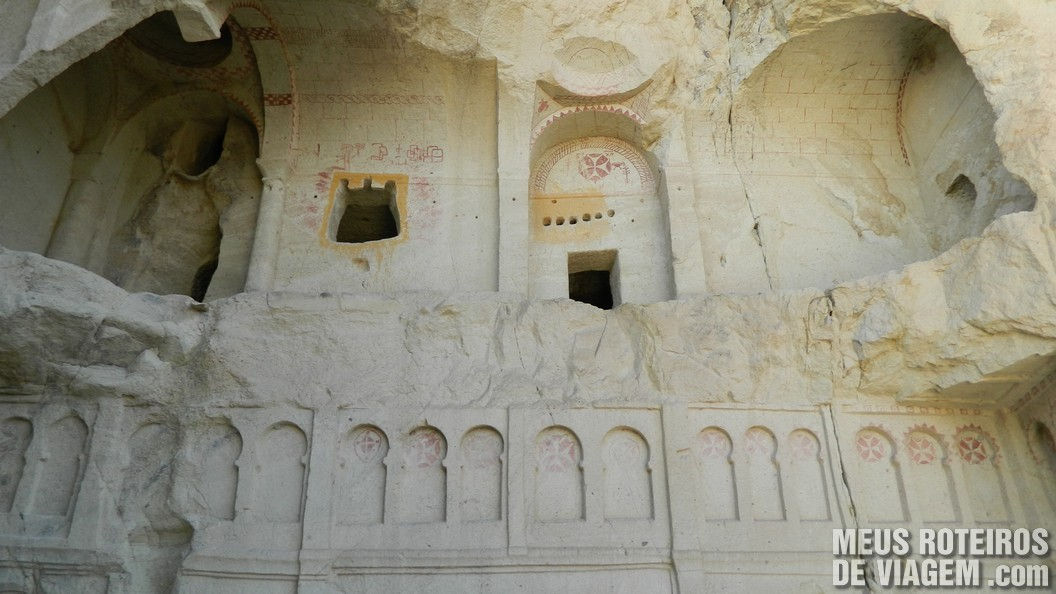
365,214
592,278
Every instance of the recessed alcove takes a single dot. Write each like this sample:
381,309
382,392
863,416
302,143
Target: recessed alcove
865,145
587,166
140,172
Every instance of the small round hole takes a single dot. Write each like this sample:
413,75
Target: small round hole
560,220
597,215
546,221
612,213
572,220
586,217
553,202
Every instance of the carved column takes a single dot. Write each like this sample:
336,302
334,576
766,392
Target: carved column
687,261
264,256
82,210
514,131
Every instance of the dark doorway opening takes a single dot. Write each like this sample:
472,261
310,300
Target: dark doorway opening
367,213
590,278
591,286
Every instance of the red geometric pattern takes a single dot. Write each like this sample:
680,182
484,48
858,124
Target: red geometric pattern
632,161
427,448
608,108
713,443
758,442
557,452
595,166
871,446
278,99
261,33
921,448
971,449
369,445
803,445
974,445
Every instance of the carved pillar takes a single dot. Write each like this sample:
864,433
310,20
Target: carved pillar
687,261
262,260
81,212
515,108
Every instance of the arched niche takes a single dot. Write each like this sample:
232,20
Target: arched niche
929,480
865,145
596,209
361,476
713,453
422,484
219,449
179,210
482,460
15,435
144,497
141,166
559,490
764,474
628,475
881,488
62,467
807,485
280,468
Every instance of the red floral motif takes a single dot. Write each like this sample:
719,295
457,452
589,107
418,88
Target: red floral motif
368,444
871,447
543,104
712,443
972,449
427,448
758,442
921,449
595,166
803,445
557,452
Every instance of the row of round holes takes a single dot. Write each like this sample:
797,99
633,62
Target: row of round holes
573,220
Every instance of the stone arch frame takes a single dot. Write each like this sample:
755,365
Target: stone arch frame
423,481
803,458
764,469
648,498
279,140
372,456
111,204
261,438
721,500
22,462
42,451
639,237
575,467
164,477
200,429
472,464
917,451
866,453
